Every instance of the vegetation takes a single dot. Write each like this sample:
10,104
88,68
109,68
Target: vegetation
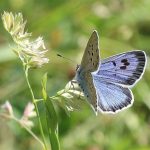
66,26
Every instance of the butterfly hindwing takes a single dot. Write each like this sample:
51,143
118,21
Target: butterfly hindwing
124,69
111,98
85,82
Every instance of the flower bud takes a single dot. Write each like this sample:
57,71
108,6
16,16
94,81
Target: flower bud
7,108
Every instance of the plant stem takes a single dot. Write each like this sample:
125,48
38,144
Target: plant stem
34,135
24,126
35,105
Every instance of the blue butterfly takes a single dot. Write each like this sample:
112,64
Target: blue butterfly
106,83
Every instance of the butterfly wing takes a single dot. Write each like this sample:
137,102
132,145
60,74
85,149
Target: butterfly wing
123,69
90,59
89,63
85,82
111,98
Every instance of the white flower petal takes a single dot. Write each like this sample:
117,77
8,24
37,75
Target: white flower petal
8,108
30,52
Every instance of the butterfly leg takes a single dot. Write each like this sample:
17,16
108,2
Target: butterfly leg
72,84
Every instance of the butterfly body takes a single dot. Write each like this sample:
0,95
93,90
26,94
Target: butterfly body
106,83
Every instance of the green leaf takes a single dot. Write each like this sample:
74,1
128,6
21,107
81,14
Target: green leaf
51,117
54,141
52,124
44,82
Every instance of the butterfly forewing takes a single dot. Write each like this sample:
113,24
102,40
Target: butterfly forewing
90,58
89,64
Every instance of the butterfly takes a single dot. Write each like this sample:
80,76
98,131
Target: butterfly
106,83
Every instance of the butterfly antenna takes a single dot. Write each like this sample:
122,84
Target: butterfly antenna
59,55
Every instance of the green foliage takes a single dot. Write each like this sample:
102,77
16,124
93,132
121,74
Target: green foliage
51,117
66,26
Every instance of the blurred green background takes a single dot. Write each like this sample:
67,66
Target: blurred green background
66,25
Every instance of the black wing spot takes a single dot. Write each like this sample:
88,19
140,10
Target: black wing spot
91,59
89,52
114,63
93,64
92,54
123,67
124,60
126,63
